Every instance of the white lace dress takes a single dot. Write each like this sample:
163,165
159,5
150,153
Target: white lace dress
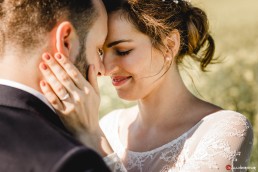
221,141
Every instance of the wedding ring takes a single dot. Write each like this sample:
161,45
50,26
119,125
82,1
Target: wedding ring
65,97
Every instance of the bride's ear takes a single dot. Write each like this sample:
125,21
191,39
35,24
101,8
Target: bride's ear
67,41
172,43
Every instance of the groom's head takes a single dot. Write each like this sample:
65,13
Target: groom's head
76,28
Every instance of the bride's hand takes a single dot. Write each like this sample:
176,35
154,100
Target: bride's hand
75,99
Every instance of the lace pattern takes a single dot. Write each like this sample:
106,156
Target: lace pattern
220,139
114,163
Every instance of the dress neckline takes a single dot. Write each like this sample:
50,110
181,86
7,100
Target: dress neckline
169,144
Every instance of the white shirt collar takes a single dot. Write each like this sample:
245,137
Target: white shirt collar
27,89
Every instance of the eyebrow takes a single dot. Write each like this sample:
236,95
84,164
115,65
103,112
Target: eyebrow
118,42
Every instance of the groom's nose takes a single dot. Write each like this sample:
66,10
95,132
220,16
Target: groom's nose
101,71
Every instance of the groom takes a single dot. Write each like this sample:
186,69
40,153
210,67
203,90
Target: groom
32,137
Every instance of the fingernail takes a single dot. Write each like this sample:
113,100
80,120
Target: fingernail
46,56
58,56
44,66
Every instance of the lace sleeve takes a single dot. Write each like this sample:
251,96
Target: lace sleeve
108,124
225,146
114,163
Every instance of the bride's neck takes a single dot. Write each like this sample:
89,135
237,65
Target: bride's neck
165,103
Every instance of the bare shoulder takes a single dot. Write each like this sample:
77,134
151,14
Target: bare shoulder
212,115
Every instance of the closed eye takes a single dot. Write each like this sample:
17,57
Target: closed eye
123,53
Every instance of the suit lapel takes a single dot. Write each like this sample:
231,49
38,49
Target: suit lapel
16,98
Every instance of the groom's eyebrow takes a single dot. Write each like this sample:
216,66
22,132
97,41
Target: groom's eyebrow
118,42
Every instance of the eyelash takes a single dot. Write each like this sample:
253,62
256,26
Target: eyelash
123,53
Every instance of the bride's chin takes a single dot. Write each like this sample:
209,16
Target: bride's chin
126,96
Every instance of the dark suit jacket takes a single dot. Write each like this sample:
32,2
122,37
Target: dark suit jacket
33,139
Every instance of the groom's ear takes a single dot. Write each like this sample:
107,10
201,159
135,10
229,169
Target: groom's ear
67,41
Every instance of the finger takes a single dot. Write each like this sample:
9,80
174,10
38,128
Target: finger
72,71
51,96
93,78
59,73
53,82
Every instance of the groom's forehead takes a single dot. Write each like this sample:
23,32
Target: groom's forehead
100,23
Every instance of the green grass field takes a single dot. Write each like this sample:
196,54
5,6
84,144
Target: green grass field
232,84
234,24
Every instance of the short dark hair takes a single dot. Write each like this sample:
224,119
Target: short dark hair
23,21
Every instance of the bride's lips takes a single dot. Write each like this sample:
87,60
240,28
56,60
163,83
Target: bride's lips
120,80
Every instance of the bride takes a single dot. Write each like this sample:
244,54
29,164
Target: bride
170,129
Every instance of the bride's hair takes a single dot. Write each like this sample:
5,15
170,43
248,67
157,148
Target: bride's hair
25,22
157,18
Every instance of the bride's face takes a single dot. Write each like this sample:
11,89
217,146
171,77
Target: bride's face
134,65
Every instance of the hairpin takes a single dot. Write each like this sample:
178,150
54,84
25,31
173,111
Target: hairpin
177,1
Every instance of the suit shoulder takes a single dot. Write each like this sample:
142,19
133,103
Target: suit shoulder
30,142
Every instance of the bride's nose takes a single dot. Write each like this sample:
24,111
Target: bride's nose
110,64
